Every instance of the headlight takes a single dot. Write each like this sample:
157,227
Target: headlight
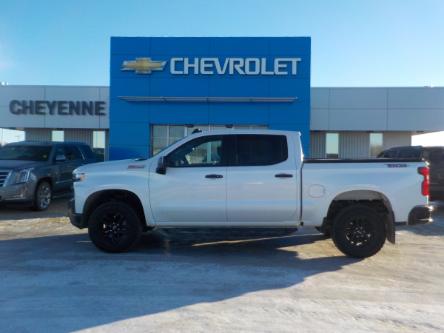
78,176
20,177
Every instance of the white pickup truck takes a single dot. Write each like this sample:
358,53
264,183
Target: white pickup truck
251,178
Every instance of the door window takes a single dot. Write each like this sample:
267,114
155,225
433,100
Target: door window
260,149
59,151
72,153
203,152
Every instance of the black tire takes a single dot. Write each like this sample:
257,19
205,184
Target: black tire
358,231
325,232
114,227
42,196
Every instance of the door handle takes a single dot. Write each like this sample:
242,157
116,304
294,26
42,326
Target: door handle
214,176
283,175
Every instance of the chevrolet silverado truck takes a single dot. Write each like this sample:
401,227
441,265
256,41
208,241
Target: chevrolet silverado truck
250,179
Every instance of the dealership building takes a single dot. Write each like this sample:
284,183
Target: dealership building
163,88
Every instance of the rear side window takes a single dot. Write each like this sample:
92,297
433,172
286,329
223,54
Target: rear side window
409,153
260,149
391,153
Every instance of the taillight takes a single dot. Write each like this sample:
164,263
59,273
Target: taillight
425,185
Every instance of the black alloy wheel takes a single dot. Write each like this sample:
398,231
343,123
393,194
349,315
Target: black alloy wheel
114,227
359,231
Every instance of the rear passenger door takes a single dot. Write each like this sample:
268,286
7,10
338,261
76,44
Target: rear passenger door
262,184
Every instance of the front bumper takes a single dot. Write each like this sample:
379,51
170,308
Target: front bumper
17,193
420,215
76,219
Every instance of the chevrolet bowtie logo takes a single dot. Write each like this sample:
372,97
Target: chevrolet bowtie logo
143,65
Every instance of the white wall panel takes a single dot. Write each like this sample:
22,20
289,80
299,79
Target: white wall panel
79,135
378,109
9,93
356,98
53,93
394,139
38,134
317,145
7,119
320,98
416,98
416,119
357,120
319,119
354,145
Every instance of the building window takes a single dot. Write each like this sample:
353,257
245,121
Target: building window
58,136
98,147
332,145
99,139
376,144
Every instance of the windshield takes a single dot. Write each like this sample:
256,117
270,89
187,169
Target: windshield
25,153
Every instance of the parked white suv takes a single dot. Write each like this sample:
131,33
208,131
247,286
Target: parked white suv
249,178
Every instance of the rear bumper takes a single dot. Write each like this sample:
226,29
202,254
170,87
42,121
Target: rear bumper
77,220
420,215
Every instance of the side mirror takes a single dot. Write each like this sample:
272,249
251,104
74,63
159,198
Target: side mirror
60,158
162,165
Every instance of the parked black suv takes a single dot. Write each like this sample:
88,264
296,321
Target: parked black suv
433,155
31,171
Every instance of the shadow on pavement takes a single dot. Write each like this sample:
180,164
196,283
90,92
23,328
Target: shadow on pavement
63,283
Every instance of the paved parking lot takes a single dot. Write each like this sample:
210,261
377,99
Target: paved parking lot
53,279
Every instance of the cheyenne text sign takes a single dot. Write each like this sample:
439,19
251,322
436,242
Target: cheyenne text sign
62,108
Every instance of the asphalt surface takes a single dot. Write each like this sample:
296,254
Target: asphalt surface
52,279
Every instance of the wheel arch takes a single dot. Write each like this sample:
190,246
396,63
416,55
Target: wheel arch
129,197
45,178
373,198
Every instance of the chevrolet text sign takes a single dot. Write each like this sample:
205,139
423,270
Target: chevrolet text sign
241,66
215,66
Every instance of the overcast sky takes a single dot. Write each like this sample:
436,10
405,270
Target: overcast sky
354,42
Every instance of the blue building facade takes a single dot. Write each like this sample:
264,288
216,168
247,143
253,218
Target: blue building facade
161,88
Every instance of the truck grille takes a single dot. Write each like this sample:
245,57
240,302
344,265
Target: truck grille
3,177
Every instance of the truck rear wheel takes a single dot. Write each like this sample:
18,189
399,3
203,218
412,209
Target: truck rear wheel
114,227
358,231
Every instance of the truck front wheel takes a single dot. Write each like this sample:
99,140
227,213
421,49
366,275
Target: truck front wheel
42,196
358,231
114,227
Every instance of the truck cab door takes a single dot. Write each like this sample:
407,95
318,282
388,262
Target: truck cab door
60,169
193,188
262,184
